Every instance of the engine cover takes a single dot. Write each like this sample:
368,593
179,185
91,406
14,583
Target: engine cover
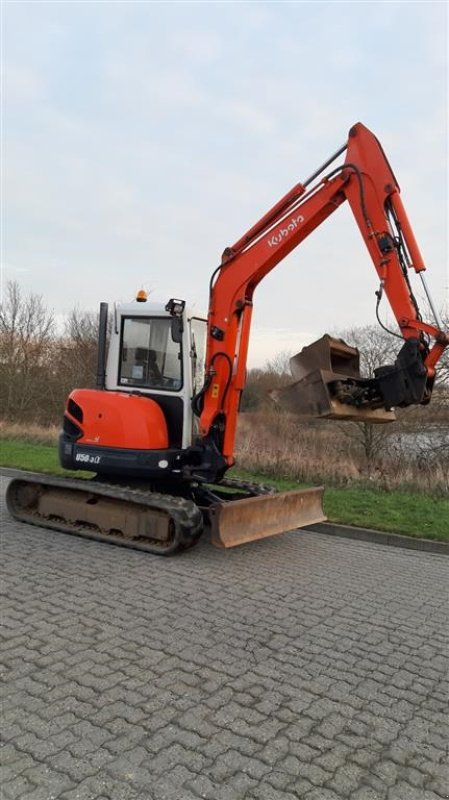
115,419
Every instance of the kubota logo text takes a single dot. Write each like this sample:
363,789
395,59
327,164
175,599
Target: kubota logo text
289,228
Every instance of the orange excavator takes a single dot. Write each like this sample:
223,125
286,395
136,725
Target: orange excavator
158,431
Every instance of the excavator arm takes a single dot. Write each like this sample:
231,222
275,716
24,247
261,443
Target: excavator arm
367,182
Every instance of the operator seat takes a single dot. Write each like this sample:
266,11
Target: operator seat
153,369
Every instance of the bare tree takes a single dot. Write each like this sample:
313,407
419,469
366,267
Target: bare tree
75,355
82,338
279,364
377,348
26,334
259,382
441,391
37,368
377,442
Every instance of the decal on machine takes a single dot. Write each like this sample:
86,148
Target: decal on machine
85,458
283,232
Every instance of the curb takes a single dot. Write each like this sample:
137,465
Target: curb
379,537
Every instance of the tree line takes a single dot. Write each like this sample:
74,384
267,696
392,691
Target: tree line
40,365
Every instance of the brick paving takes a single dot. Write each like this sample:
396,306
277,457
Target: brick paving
298,667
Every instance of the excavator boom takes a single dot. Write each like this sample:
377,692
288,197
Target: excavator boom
366,181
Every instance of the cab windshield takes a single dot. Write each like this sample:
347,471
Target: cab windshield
149,358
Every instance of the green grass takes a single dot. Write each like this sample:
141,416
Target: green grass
34,457
412,514
404,512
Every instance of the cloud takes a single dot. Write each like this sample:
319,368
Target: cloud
202,47
174,133
21,86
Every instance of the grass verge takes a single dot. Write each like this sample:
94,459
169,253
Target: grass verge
34,457
404,512
399,511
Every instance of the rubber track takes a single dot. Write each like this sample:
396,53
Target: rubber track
186,516
255,489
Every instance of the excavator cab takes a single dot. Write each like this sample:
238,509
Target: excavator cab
138,421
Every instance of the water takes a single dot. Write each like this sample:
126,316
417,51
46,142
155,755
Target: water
431,441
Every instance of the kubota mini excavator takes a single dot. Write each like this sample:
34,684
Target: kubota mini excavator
158,431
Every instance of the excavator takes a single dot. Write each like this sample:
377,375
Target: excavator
158,431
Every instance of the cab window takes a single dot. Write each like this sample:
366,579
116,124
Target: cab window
149,358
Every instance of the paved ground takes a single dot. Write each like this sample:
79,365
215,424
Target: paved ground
301,667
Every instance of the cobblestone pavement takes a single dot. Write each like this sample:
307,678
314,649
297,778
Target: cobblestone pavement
298,667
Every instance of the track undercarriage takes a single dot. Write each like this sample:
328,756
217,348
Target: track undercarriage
157,522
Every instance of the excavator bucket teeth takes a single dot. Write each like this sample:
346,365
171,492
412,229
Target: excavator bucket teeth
241,521
317,369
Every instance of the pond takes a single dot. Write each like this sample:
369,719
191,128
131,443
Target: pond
432,440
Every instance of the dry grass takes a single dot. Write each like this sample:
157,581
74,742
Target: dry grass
274,443
29,432
277,444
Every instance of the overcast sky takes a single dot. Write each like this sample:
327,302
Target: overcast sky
140,139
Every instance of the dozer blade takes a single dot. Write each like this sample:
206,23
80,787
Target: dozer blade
241,521
322,372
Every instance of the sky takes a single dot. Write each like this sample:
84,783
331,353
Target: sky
139,139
